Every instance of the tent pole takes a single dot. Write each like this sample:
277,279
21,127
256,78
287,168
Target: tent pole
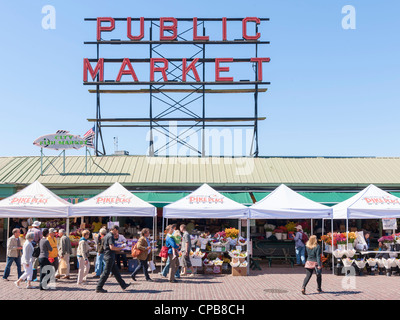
312,226
347,233
322,233
248,241
162,240
333,260
240,227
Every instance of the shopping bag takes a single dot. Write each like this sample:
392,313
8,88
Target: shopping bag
152,266
62,268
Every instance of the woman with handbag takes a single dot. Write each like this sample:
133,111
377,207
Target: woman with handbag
143,245
313,263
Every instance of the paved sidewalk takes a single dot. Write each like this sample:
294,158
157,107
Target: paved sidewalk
278,282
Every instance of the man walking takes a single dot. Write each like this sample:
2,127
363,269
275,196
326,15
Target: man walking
300,247
173,257
109,259
38,235
53,255
186,247
64,251
13,254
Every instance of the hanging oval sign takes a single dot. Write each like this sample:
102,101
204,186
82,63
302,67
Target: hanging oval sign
62,140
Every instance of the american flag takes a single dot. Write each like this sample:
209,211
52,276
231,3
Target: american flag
89,136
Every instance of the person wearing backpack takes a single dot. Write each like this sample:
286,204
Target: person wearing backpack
300,241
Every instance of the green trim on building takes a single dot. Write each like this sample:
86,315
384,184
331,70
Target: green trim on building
7,190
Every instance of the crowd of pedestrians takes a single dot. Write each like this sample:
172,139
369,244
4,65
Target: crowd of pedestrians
41,249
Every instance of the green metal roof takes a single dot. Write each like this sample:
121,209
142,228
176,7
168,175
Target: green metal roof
187,173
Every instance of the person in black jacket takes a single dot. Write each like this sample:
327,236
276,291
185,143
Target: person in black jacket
313,263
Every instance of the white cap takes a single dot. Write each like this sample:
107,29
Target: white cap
36,224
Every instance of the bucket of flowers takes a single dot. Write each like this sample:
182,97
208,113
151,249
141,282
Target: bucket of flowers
291,229
232,235
371,263
278,232
269,228
347,262
381,266
360,266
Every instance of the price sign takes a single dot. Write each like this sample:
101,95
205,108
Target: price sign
389,223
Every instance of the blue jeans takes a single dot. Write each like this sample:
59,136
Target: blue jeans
300,255
99,266
166,270
7,269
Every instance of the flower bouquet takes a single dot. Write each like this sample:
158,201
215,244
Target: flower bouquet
232,242
268,230
243,264
234,253
207,262
220,235
224,241
360,265
338,253
232,233
204,238
371,262
242,241
291,226
218,262
349,253
235,264
215,242
278,232
380,263
387,239
347,262
198,254
193,239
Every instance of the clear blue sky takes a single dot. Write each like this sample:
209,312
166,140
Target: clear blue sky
333,92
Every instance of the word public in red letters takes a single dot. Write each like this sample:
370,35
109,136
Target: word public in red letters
169,32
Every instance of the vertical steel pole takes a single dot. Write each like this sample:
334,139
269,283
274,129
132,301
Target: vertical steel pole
333,260
41,161
203,144
256,104
312,226
162,238
151,146
248,241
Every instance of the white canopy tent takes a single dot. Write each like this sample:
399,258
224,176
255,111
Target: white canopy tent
34,201
112,202
207,203
284,203
116,201
370,203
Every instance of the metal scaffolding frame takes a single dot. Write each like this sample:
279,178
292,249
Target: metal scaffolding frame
160,94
